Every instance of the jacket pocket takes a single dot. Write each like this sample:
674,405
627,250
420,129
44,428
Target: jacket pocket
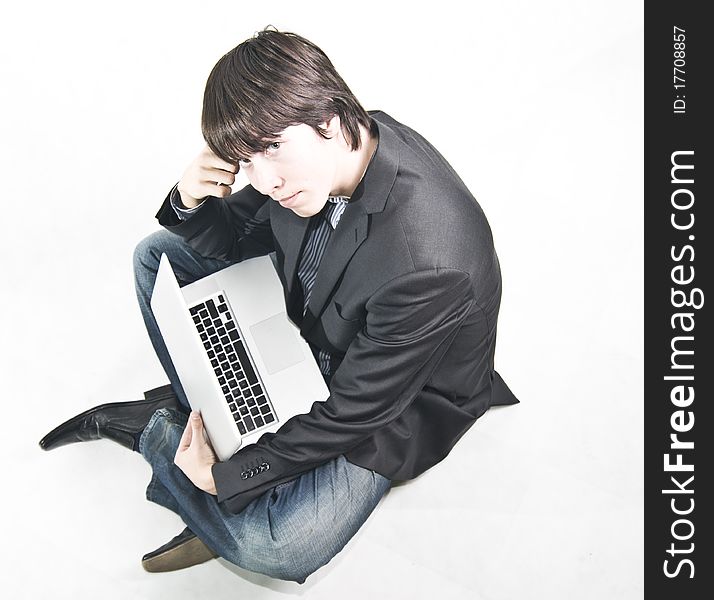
339,331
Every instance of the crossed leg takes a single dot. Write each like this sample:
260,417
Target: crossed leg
288,532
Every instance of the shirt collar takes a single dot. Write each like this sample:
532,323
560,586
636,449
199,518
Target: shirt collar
334,209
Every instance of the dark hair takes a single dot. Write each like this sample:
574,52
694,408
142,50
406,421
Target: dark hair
268,83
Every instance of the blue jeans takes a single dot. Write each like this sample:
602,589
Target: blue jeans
288,532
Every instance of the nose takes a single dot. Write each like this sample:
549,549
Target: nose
265,178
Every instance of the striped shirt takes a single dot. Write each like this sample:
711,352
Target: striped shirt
320,230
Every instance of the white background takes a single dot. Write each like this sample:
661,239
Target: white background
538,105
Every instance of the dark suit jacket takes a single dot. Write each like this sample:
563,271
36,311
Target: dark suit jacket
406,300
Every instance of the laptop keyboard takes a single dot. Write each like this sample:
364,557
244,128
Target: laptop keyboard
232,365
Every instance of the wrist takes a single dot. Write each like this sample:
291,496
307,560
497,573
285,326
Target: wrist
187,200
209,482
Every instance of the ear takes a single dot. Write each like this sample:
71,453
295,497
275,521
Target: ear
333,126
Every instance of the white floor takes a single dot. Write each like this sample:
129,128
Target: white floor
532,503
100,114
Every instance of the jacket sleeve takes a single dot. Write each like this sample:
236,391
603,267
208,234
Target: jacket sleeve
411,321
233,228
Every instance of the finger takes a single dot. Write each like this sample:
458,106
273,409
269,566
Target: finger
221,191
218,176
214,161
196,428
185,440
222,165
201,437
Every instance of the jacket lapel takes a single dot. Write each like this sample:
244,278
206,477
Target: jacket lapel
344,241
370,197
290,230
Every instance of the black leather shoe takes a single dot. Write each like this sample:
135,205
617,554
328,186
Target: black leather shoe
121,422
185,550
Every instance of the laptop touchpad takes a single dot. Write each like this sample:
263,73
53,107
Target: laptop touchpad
276,340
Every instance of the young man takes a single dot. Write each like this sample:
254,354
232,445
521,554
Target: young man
389,270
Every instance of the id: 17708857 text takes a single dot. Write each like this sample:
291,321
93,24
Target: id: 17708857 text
679,63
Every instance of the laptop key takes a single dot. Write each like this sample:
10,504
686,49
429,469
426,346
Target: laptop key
269,418
242,428
249,425
212,308
245,362
259,422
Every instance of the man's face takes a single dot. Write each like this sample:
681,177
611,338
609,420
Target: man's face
297,169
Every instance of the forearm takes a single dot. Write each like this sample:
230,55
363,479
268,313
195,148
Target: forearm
234,228
385,368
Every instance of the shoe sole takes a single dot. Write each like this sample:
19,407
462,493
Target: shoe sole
187,554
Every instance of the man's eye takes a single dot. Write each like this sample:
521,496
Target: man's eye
274,146
244,161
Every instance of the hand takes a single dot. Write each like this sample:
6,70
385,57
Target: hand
194,455
207,175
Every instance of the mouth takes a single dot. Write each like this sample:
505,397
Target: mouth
287,201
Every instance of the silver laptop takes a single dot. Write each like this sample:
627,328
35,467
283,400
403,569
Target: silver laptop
242,363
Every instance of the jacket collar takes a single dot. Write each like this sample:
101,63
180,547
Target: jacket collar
373,191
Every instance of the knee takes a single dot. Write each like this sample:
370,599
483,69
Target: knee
295,561
281,551
147,254
301,549
302,559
